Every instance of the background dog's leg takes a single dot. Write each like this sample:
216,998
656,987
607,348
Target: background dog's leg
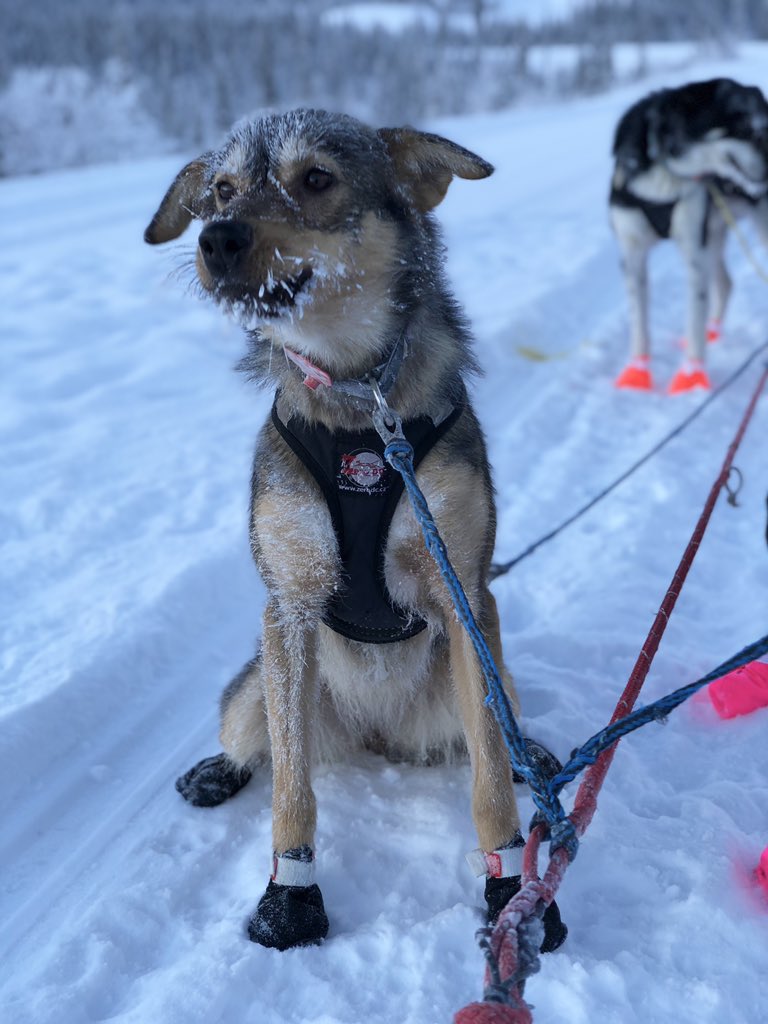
721,281
244,738
698,263
691,231
635,238
693,225
721,290
635,266
759,216
291,911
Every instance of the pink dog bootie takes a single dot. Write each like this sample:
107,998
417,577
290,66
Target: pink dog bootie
761,872
741,691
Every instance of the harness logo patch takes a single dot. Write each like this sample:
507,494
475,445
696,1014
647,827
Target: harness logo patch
364,471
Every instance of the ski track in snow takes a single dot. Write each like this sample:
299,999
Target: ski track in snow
128,600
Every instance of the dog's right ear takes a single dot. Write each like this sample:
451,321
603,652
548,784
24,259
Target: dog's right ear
425,164
188,197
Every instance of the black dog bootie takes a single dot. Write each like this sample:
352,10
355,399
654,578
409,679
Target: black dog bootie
289,915
291,911
541,758
498,893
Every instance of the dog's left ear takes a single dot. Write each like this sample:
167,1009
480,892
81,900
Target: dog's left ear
425,164
189,196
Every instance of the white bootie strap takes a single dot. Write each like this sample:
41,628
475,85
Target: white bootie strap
294,867
497,863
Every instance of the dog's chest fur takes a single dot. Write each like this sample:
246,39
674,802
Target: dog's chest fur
394,689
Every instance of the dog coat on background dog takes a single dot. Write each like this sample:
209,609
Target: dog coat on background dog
674,151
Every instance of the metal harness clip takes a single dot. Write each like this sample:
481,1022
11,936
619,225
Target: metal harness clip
388,424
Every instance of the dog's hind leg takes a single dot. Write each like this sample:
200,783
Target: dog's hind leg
721,282
244,738
758,214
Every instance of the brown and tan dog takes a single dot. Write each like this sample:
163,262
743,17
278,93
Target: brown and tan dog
318,236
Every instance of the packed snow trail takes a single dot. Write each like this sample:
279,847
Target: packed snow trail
128,599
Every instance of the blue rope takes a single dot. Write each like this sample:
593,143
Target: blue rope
588,753
562,832
399,454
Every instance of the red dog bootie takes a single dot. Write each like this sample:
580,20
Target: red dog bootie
690,376
636,375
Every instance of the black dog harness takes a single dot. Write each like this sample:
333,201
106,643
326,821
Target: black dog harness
658,215
362,492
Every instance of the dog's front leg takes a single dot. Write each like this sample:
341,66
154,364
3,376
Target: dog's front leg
635,238
494,808
692,231
291,911
635,268
289,684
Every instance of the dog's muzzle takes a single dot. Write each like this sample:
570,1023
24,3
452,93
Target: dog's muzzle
223,245
227,248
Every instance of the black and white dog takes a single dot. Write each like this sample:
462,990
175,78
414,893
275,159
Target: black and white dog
688,161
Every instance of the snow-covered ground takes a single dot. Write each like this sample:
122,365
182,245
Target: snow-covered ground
128,599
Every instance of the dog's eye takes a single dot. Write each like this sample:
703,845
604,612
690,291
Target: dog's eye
318,180
225,190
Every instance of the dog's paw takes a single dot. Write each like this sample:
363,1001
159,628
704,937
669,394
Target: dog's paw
542,759
498,893
289,915
212,781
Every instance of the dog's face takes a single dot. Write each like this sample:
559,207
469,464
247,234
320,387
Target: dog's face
310,219
718,127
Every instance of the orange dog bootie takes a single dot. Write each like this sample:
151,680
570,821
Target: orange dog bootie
636,375
690,376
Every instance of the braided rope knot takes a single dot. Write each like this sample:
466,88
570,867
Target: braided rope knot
562,835
512,946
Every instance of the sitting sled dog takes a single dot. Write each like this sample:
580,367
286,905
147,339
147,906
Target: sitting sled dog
679,155
318,236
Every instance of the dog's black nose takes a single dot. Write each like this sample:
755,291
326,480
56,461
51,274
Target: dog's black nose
222,245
